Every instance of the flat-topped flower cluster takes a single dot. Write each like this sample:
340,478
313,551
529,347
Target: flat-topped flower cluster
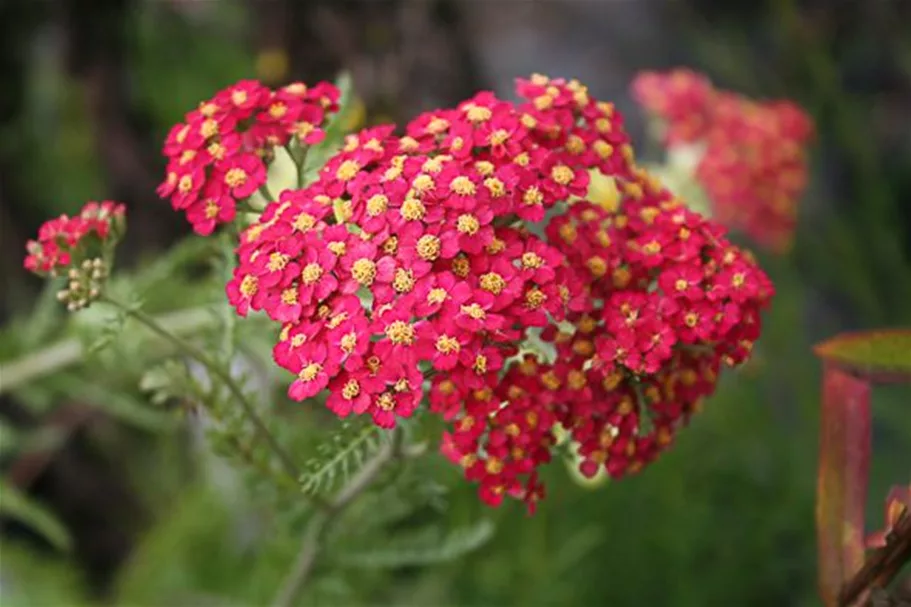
461,265
754,165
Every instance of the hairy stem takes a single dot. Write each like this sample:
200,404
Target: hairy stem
311,545
219,372
67,352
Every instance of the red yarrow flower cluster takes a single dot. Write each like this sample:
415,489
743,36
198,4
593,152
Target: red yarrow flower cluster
670,302
219,154
754,165
416,267
65,241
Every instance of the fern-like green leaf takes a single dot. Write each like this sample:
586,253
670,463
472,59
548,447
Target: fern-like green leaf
425,547
339,457
16,504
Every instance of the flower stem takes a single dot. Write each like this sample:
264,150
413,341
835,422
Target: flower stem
266,192
311,545
216,370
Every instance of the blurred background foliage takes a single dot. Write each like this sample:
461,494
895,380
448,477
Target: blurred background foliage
110,499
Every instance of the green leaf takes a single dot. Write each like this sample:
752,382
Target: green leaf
883,355
167,381
16,504
339,456
10,438
426,547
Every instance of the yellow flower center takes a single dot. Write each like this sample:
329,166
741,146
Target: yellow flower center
348,342
412,209
652,248
480,364
236,177
534,298
185,184
304,222
436,295
484,167
363,271
474,311
531,260
385,401
462,186
575,144
289,296
476,113
211,209
428,247
562,174
447,345
377,204
351,389
310,372
311,273
391,245
461,266
493,283
347,170
337,248
209,128
400,332
499,137
496,187
249,285
597,266
403,281
277,262
681,284
603,149
239,97
468,224
422,183
533,196
437,125
277,110
738,279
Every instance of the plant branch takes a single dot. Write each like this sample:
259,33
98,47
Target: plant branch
66,352
312,543
216,370
881,566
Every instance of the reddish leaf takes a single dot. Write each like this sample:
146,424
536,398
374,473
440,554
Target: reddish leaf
844,458
883,356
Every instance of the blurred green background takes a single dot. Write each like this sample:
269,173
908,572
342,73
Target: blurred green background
725,518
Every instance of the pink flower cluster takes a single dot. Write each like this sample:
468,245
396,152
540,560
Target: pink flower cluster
219,154
754,168
416,265
65,240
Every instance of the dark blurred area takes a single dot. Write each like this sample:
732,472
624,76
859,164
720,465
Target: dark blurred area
90,89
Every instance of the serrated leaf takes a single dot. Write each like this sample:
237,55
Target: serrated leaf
883,356
426,547
844,461
167,381
16,504
339,457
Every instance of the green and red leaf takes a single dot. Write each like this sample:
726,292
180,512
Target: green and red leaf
844,457
898,504
882,355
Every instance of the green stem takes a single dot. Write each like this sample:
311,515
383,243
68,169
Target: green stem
70,351
316,530
266,192
218,371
